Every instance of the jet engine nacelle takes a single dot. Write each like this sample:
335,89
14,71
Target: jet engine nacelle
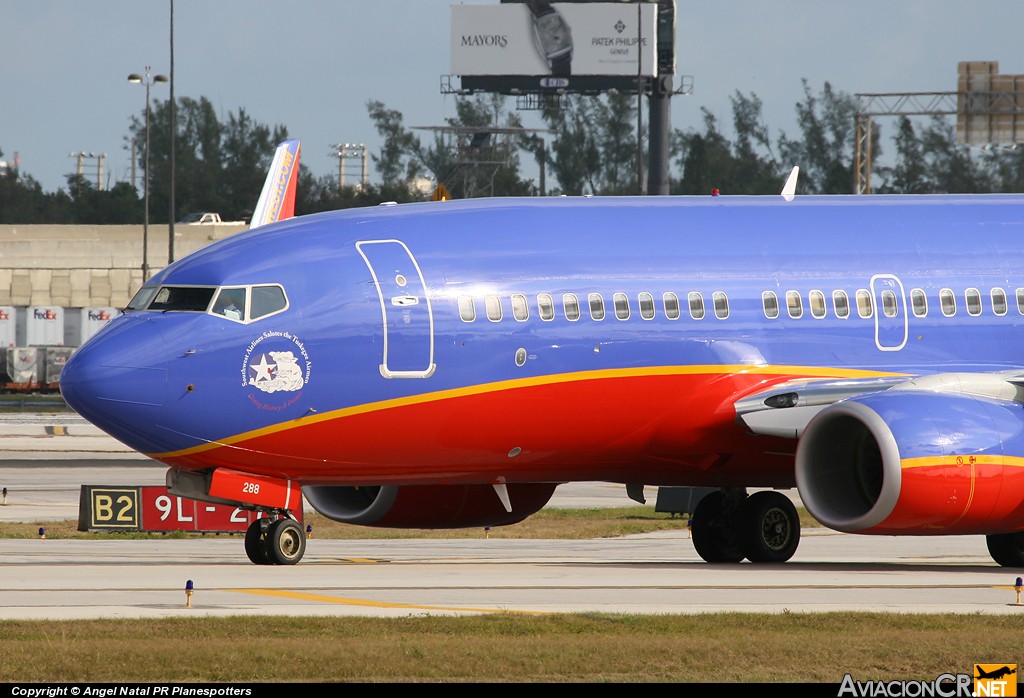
427,506
915,462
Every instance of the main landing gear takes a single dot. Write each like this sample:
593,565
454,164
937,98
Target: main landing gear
278,540
1007,549
728,526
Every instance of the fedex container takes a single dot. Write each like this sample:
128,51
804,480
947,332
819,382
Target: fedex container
41,325
53,360
23,366
8,326
82,323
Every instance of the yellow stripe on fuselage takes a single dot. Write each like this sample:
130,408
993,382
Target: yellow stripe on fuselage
815,372
962,461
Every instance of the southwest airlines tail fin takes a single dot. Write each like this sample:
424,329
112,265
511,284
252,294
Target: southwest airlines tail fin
277,200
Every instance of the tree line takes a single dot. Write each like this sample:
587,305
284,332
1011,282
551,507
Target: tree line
587,145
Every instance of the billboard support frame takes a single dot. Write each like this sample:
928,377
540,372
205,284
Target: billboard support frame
533,91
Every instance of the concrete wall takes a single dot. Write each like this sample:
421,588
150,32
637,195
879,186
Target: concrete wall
77,266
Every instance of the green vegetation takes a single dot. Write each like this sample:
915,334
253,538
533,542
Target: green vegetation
724,648
590,147
33,402
565,524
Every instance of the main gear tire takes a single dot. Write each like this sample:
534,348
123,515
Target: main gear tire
713,531
1007,549
770,527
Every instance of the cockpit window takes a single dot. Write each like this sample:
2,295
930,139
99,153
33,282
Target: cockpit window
230,303
192,298
142,298
267,300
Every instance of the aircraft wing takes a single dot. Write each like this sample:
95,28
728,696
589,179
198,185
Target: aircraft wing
277,200
785,409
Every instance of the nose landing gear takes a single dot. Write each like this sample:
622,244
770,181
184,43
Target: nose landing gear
278,540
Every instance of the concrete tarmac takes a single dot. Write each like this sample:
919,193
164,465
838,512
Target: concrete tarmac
654,573
658,573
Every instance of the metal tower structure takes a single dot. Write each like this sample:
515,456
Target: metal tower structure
989,108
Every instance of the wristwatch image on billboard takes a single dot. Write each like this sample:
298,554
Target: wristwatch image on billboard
554,40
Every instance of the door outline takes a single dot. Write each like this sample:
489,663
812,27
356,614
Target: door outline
400,298
890,333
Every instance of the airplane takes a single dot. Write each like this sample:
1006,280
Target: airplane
449,364
994,674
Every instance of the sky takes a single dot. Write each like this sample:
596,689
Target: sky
312,65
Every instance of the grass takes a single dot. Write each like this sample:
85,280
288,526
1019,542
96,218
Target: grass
37,402
577,524
565,524
720,648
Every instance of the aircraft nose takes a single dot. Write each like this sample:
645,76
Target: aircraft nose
118,380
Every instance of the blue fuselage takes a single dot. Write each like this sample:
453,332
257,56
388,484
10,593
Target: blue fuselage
666,309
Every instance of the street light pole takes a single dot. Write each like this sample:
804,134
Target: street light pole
146,80
174,131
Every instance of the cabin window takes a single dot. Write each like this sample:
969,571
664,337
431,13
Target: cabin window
973,298
770,302
571,306
1020,301
865,307
947,301
998,296
191,298
721,303
841,304
266,300
596,302
794,304
545,307
230,303
492,304
816,299
467,309
696,305
919,302
671,302
621,303
889,305
646,302
520,309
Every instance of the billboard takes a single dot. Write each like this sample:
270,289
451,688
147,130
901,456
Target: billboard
537,46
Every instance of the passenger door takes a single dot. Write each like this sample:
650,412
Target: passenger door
891,321
405,309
